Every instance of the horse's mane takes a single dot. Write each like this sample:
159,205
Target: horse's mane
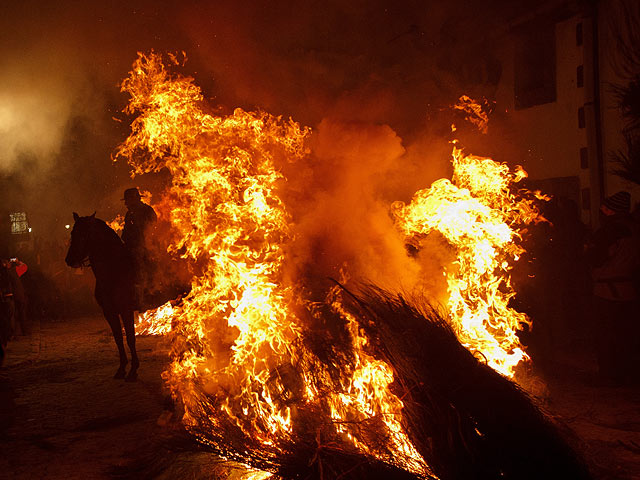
111,253
109,232
109,241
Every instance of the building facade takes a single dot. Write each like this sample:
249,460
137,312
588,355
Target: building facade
557,94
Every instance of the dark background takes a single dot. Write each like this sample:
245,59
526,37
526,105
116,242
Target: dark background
381,62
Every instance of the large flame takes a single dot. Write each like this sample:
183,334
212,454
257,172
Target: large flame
157,321
228,220
117,224
478,214
238,332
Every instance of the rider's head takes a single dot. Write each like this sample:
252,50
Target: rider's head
131,197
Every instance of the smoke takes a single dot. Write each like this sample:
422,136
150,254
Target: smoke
44,83
59,98
33,113
373,79
370,80
355,61
340,201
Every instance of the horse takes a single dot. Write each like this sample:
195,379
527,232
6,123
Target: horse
93,241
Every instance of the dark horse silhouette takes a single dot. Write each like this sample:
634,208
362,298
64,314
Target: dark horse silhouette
94,241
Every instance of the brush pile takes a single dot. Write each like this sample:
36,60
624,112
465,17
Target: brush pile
465,420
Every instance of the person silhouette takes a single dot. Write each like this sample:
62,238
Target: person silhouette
139,227
615,262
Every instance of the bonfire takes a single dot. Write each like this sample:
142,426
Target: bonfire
365,384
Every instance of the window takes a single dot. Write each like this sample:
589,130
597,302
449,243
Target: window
584,158
535,66
579,36
19,223
580,76
586,199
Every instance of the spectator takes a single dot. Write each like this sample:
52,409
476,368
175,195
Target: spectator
614,255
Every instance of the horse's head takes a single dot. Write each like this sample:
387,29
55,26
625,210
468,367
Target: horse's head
81,240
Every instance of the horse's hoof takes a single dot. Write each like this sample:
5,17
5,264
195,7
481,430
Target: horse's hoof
132,377
120,373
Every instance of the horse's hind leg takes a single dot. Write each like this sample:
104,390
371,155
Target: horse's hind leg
129,328
116,328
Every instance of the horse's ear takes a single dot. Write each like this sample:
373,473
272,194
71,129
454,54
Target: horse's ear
75,217
93,215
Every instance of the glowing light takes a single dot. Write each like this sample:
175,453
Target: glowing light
6,115
117,224
156,321
238,329
236,333
478,214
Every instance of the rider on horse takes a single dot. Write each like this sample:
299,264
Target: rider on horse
95,244
139,226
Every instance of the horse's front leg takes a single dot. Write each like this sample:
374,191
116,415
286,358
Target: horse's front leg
116,328
129,328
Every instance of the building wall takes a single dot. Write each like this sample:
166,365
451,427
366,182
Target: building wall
561,143
548,138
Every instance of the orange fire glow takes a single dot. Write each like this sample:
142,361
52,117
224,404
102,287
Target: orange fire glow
156,321
238,330
117,224
479,215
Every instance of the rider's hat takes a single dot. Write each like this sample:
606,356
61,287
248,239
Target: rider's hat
132,194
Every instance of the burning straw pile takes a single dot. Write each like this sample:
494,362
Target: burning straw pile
465,420
468,421
354,387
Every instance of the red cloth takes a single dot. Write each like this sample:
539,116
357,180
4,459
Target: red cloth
21,268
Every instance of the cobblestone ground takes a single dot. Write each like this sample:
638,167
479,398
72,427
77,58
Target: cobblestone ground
63,416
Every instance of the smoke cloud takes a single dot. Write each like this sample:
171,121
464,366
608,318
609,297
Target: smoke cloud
340,201
372,79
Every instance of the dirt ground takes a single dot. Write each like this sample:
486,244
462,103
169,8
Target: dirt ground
63,416
605,420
